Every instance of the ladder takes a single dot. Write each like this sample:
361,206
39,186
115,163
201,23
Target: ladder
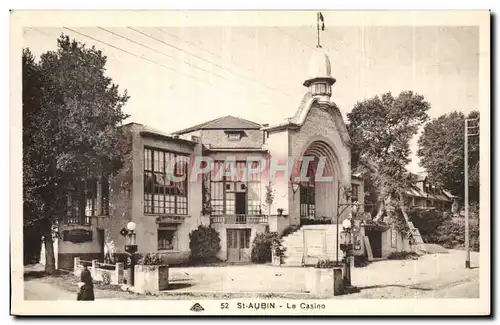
414,232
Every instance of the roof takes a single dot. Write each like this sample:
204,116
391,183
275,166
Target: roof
235,149
319,67
223,123
415,191
148,131
357,175
448,194
300,116
419,177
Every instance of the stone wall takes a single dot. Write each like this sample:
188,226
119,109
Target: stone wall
219,139
321,125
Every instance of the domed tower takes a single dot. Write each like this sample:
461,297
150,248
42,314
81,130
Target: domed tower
320,78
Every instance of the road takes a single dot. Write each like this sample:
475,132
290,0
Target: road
37,290
431,276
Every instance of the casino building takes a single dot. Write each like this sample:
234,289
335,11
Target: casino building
165,212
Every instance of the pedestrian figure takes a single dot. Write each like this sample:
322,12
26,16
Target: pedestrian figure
86,286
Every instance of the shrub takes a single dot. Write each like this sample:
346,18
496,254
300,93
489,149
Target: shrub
151,259
262,246
290,229
427,221
204,243
402,256
361,261
439,228
325,264
278,249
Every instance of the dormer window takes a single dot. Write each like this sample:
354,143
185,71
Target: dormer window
234,135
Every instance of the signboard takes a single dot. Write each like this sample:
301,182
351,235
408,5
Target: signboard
77,236
394,237
170,219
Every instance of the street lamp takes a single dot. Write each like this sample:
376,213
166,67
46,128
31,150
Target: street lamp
131,249
347,244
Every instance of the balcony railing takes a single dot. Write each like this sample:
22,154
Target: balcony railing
239,219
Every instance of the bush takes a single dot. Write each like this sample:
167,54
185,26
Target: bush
290,229
151,259
204,244
452,235
427,222
439,228
361,261
277,247
262,247
325,264
403,256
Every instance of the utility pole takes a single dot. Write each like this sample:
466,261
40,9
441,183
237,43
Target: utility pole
466,190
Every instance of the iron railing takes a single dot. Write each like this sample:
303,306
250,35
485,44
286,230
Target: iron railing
239,219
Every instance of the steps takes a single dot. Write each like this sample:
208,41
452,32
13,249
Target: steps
294,244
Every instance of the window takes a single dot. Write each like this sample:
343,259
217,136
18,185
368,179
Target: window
163,194
83,198
321,88
90,199
234,196
308,193
355,192
104,196
167,237
234,135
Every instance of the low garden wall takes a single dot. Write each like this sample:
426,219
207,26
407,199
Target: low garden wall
102,272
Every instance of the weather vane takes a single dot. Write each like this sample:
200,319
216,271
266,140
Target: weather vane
318,21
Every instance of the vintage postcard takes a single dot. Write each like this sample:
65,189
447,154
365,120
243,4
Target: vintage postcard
250,163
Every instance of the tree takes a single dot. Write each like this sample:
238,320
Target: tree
269,200
441,152
380,129
71,117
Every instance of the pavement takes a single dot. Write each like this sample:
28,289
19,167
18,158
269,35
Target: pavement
431,276
37,290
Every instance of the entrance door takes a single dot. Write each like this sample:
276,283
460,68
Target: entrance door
314,246
238,245
375,238
241,203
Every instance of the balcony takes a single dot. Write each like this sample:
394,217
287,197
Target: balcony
239,219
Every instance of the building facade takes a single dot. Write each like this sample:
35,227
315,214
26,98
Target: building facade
166,211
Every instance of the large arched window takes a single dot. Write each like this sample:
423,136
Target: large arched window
308,192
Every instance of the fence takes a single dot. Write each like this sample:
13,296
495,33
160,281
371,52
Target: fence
102,272
239,219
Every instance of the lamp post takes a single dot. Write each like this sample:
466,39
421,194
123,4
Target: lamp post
131,249
347,245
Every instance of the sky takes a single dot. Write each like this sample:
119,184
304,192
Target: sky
178,77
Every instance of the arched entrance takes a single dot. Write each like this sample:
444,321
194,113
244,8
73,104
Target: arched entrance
318,194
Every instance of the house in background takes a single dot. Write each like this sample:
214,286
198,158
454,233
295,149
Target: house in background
424,194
